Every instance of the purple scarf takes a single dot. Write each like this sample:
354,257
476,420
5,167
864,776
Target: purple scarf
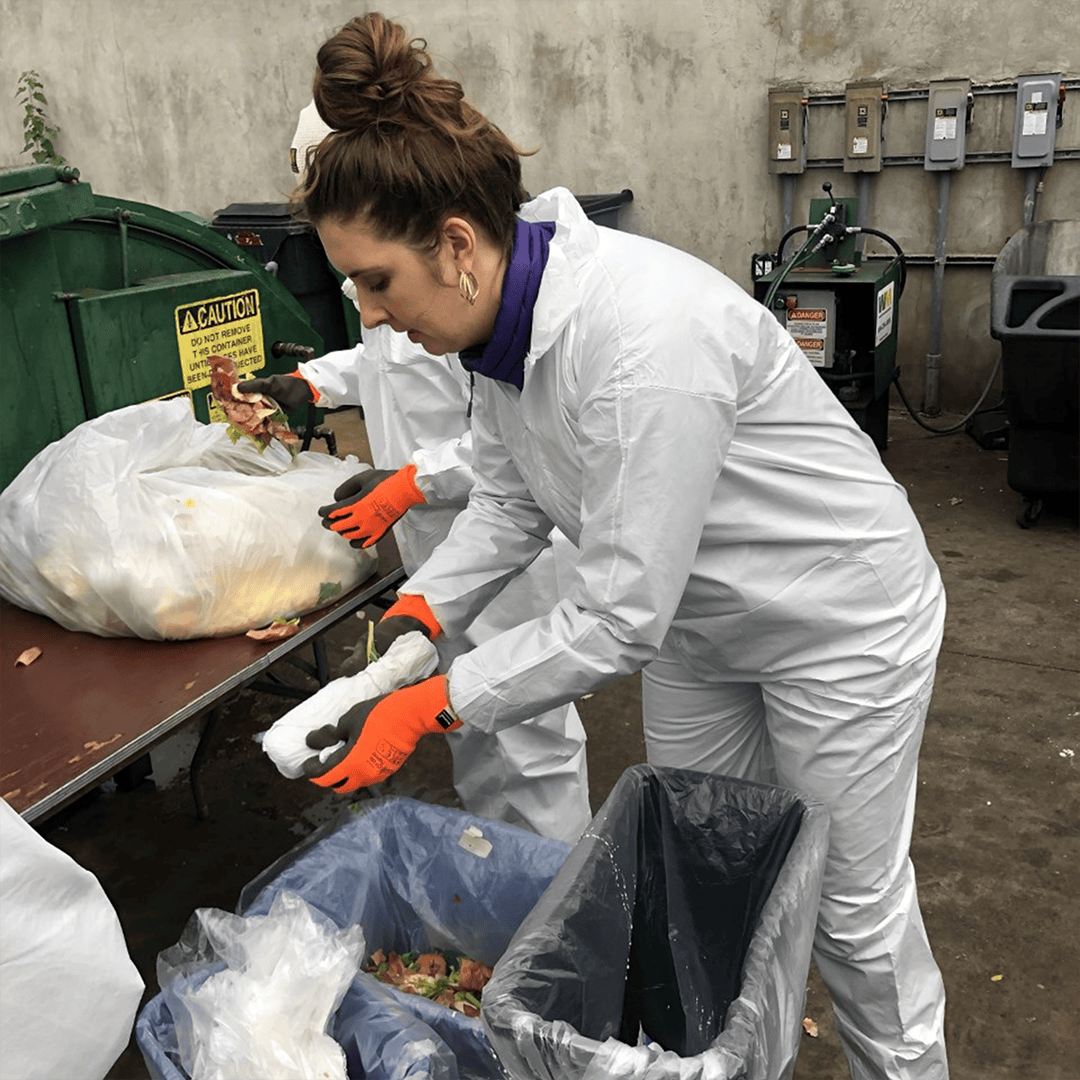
503,357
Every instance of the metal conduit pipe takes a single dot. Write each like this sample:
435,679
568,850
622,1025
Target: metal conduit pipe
932,386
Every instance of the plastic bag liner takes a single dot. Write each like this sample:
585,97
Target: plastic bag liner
396,869
252,995
674,942
145,523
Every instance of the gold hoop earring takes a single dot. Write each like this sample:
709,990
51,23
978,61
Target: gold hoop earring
468,287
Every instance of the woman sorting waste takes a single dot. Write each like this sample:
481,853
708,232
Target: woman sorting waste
534,774
739,541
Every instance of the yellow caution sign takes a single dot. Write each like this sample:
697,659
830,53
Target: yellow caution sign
223,326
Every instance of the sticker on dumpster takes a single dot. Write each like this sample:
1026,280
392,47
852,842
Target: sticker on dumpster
809,327
884,314
223,325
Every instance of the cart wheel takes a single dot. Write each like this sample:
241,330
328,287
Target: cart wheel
1029,512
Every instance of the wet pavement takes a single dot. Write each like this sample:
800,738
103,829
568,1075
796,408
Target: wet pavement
997,823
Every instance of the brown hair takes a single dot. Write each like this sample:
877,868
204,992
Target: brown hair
406,149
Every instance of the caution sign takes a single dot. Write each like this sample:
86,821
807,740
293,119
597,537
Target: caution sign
226,326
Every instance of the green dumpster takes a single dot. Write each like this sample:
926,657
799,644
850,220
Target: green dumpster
106,303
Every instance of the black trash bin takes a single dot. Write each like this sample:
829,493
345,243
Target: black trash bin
603,208
1035,314
674,941
293,252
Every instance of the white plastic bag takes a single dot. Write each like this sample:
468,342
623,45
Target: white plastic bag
146,523
68,988
412,657
253,997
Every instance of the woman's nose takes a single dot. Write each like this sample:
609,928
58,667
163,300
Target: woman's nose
371,313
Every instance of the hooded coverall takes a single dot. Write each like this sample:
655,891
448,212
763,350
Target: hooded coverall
741,542
415,410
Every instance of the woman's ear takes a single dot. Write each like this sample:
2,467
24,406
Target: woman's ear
459,242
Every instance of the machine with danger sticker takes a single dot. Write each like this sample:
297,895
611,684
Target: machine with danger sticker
841,310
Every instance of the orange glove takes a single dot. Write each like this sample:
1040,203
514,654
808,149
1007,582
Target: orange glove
370,503
379,735
409,612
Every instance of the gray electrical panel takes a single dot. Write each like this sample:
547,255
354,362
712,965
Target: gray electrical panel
1036,120
946,124
863,126
787,130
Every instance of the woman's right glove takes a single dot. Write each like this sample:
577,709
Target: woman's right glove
290,391
379,735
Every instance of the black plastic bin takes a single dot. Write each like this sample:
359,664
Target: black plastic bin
674,941
603,209
293,252
1035,314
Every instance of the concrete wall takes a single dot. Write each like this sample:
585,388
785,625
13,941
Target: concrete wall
190,105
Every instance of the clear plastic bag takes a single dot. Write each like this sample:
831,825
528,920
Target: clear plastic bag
145,523
254,997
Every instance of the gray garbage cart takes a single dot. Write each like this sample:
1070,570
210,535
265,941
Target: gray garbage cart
1035,314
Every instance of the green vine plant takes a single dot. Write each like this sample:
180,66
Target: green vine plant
40,135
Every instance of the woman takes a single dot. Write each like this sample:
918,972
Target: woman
739,540
535,774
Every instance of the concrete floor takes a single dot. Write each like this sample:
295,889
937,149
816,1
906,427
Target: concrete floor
995,845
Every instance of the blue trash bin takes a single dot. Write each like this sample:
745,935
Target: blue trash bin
397,869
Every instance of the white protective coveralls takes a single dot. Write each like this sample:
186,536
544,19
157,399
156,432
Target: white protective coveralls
740,540
68,988
415,410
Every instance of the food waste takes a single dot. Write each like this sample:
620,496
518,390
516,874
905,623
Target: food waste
446,978
255,415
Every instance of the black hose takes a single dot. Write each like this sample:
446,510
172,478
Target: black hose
900,256
786,237
955,427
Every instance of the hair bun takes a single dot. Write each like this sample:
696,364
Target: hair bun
369,72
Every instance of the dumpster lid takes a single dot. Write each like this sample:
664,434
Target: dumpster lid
22,177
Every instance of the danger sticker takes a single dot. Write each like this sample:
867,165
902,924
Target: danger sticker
814,348
228,325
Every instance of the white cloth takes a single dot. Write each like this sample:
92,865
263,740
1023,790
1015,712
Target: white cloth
68,988
416,411
728,510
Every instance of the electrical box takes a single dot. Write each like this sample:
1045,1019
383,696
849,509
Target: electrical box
787,130
863,107
1035,129
947,122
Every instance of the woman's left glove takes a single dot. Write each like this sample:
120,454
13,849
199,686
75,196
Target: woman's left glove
368,504
379,735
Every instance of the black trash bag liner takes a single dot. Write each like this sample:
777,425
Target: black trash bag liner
675,940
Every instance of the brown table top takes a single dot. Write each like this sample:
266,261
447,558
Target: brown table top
89,705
